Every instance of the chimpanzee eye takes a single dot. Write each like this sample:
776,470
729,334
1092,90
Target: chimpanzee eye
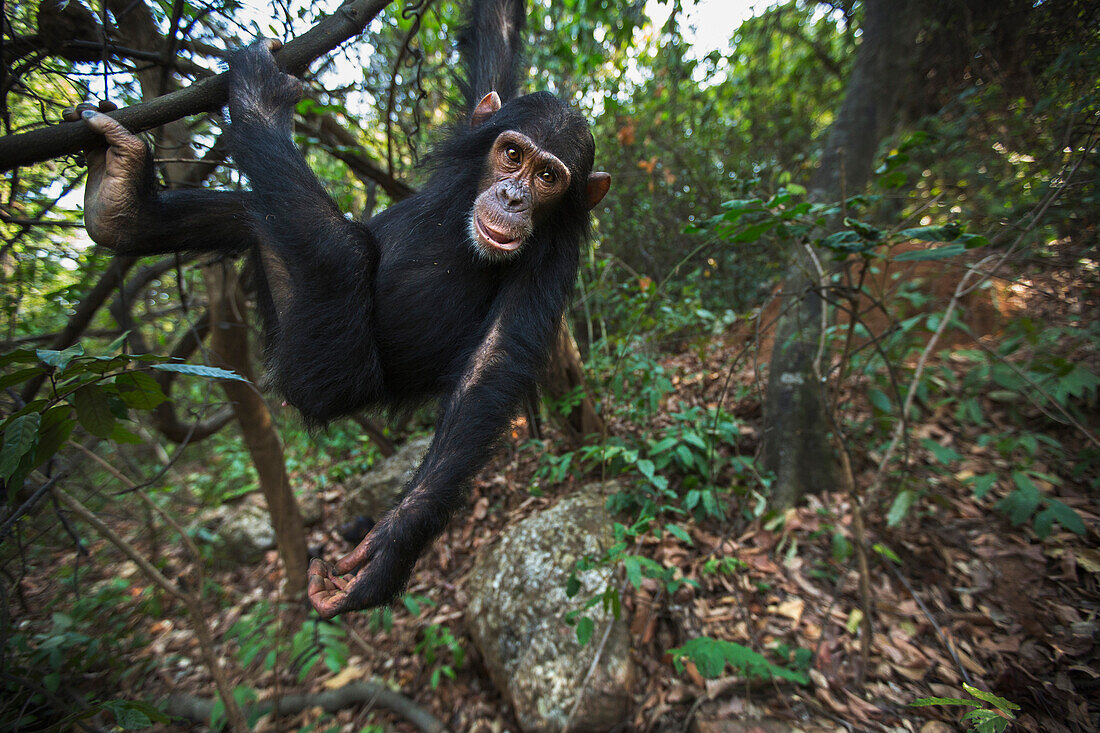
513,154
547,176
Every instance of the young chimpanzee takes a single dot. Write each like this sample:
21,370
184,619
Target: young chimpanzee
456,292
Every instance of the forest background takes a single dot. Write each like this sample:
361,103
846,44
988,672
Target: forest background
834,364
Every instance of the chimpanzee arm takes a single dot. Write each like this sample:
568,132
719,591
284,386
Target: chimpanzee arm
125,212
484,400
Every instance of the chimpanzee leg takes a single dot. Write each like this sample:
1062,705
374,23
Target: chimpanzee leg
319,266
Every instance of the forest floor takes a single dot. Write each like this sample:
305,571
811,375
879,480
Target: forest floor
969,598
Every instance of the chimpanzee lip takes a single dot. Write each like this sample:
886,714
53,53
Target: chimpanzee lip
496,238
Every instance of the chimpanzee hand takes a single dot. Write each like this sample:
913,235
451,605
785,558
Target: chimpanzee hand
384,562
119,176
259,93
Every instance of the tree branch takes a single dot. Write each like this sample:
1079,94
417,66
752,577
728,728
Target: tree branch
207,95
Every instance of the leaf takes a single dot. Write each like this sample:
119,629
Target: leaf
139,391
879,400
200,370
585,627
710,657
646,467
935,253
20,376
983,483
20,438
998,702
19,356
944,701
679,533
937,233
863,229
753,231
1056,511
60,359
93,410
900,507
633,566
57,425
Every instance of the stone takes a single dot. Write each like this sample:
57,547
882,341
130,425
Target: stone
373,493
516,618
246,533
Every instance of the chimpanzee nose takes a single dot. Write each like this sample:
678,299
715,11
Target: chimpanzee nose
512,197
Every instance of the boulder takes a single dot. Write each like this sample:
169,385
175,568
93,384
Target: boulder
373,493
246,533
516,618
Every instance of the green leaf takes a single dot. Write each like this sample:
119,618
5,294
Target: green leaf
711,656
119,434
19,356
645,466
139,391
944,701
753,232
863,229
879,400
633,566
93,410
20,376
1056,511
585,627
200,370
679,533
57,425
60,359
930,233
943,453
900,507
983,483
1021,503
998,702
20,437
935,253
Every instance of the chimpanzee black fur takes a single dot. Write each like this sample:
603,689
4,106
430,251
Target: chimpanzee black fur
402,308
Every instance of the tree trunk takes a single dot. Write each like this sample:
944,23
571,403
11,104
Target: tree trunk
229,349
796,425
564,376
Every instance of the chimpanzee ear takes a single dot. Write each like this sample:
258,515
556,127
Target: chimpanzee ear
598,185
485,109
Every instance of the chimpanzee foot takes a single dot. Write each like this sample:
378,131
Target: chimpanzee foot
259,92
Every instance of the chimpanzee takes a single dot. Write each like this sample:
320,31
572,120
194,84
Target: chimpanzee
456,292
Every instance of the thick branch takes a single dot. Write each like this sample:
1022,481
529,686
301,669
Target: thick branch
343,145
207,95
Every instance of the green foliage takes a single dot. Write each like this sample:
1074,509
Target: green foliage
711,656
82,641
263,639
442,652
96,392
981,719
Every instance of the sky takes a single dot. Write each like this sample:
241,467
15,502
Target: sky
709,23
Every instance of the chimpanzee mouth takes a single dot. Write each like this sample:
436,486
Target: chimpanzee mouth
495,238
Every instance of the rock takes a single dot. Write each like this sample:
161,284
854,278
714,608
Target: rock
515,615
373,493
246,533
311,507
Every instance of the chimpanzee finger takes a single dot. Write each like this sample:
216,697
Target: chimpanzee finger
358,557
72,114
322,592
113,131
106,105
